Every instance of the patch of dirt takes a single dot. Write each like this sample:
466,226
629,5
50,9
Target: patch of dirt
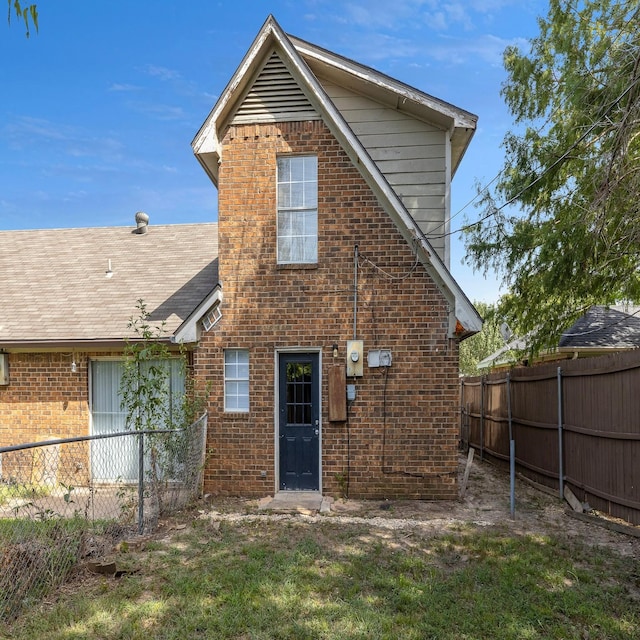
486,504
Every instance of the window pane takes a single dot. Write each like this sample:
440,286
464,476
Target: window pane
236,380
283,169
310,194
309,223
296,168
310,250
297,191
296,247
297,219
284,223
311,168
296,226
284,250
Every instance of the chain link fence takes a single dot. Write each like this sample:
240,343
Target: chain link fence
64,501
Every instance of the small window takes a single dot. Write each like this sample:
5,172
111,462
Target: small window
297,210
236,380
212,316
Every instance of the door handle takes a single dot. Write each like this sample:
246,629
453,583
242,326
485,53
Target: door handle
317,431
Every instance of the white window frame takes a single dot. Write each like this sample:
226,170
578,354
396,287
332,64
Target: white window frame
297,209
236,380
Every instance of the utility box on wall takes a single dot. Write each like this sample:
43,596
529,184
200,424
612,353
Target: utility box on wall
4,368
355,352
379,358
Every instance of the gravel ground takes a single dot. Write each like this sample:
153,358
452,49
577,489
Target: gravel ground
486,504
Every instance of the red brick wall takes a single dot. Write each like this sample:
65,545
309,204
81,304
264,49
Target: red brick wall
401,436
44,399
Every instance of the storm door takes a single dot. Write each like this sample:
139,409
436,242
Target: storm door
299,422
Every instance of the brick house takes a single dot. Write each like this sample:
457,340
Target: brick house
66,299
335,356
320,307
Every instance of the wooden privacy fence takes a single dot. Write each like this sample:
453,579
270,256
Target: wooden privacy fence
573,422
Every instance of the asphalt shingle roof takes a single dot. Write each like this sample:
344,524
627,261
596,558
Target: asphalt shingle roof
603,327
54,286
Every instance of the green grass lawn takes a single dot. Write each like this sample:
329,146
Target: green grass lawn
296,580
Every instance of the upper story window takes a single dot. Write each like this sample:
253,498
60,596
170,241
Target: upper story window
297,209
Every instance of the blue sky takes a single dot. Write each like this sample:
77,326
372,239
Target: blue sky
99,109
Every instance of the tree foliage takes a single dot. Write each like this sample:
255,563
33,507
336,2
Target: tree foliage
149,403
28,13
144,387
483,344
562,225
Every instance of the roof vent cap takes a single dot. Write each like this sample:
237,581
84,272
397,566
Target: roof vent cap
142,222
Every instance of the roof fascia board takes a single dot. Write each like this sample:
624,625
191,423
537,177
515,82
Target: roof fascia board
40,346
458,117
591,350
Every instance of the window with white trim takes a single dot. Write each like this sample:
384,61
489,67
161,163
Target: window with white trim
297,209
236,380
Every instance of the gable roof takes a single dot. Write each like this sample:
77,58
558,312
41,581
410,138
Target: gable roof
56,289
300,58
603,328
600,330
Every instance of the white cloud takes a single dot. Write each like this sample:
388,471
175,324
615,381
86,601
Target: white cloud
25,129
161,72
487,48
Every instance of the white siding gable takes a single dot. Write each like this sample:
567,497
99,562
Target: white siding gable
411,154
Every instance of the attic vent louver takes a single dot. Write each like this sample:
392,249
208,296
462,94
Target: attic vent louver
212,316
275,96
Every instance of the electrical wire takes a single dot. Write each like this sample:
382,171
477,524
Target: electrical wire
388,275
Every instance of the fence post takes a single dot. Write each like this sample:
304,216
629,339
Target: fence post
560,449
512,451
141,483
461,414
482,418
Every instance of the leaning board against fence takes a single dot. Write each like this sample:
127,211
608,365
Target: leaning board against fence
65,500
574,422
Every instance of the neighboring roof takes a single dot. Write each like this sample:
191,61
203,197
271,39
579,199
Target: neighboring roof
56,289
603,328
299,56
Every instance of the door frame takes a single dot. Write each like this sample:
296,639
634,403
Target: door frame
276,409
